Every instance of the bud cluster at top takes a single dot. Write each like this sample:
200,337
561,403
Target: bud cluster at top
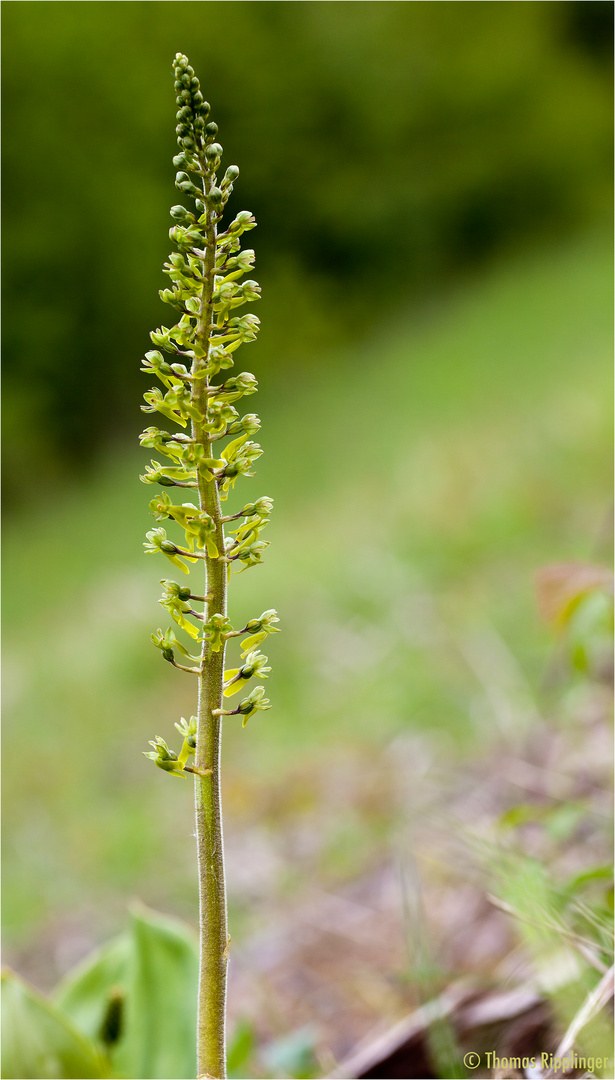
192,109
196,137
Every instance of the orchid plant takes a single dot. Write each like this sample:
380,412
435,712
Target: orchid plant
205,272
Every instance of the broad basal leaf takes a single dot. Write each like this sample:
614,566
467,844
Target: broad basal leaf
85,993
38,1040
159,1039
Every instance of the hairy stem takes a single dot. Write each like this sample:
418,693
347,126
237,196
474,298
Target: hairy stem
213,932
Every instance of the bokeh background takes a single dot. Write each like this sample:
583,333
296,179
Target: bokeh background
432,185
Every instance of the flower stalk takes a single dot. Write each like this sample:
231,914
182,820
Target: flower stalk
205,273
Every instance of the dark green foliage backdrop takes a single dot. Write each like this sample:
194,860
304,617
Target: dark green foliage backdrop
383,147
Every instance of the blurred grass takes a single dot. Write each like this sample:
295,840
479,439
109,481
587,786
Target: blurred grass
419,482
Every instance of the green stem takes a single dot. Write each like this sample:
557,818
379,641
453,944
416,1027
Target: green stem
213,931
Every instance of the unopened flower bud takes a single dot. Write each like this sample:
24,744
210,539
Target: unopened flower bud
183,216
231,174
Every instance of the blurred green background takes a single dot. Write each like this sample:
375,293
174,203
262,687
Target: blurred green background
432,185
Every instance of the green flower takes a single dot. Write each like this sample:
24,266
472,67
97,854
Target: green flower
169,476
248,531
238,458
251,555
167,642
188,730
201,528
164,758
215,630
157,542
254,666
255,702
259,629
237,386
175,601
173,446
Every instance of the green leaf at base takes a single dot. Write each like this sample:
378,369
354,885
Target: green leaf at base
39,1041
